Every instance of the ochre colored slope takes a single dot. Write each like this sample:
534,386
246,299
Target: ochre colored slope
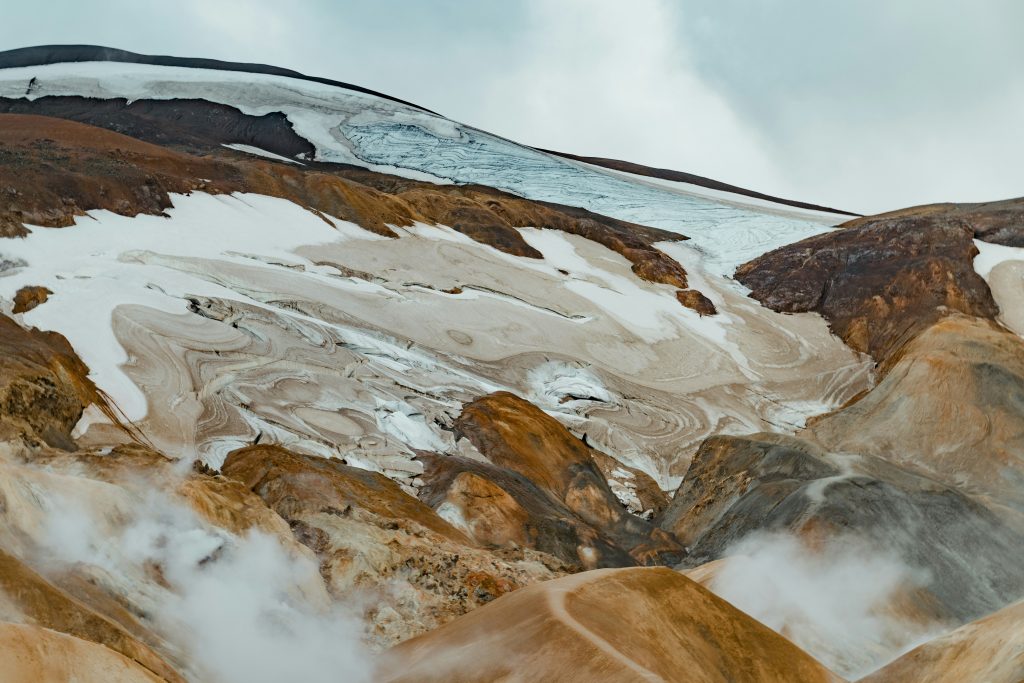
601,626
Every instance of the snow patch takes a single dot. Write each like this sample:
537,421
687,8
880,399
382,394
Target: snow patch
256,151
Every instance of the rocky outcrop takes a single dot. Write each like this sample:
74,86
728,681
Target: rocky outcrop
28,298
562,497
193,125
696,301
637,490
879,283
379,545
1000,222
768,482
990,650
53,170
44,387
602,626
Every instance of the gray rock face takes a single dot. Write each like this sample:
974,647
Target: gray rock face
768,482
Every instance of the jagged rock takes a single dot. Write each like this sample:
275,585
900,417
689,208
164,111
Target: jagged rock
374,539
44,387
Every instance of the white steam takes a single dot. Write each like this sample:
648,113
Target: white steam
837,600
240,609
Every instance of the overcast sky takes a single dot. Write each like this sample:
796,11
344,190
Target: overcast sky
866,105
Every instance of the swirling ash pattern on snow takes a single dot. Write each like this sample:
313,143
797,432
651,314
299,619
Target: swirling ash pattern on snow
228,347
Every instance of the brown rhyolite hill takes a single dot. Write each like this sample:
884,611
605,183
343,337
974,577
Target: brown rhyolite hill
605,625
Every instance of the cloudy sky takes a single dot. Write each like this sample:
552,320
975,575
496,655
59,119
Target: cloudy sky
866,105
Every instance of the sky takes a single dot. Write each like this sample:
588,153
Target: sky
865,106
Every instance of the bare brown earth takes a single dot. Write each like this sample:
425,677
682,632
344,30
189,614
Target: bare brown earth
950,407
880,282
990,649
29,654
53,170
39,602
605,625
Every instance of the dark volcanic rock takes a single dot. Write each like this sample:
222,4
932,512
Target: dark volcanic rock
879,283
768,482
195,125
1000,222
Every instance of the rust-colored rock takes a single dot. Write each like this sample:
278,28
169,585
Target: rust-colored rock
374,540
291,483
696,301
27,298
990,649
878,283
607,625
521,439
951,405
44,387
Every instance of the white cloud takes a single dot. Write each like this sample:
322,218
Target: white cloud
867,106
612,79
838,600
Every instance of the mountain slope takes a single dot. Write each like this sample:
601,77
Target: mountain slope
296,372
